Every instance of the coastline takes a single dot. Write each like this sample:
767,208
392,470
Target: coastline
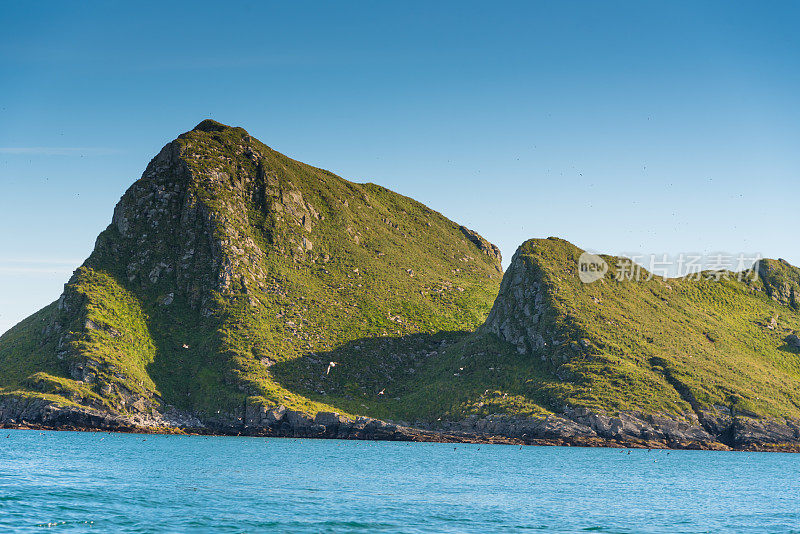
410,434
579,427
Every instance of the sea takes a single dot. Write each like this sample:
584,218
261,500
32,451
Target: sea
106,482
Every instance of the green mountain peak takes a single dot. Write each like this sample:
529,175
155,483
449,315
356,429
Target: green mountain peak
226,258
210,125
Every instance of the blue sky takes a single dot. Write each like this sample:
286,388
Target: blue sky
625,127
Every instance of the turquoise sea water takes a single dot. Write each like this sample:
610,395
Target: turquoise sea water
75,482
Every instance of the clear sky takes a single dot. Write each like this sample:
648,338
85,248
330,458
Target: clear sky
624,127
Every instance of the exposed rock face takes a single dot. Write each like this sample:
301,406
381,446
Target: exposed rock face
749,433
520,314
577,427
781,281
19,411
487,248
203,209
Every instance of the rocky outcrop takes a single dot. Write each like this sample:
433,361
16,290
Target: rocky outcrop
182,227
574,427
520,314
24,410
781,281
484,246
756,434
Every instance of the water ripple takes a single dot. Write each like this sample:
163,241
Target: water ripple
73,482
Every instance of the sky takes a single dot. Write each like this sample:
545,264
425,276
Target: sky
625,127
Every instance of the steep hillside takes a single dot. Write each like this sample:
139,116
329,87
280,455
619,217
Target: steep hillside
709,362
225,260
653,344
718,354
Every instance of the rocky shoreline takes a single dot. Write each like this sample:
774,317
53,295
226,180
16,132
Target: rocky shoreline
576,428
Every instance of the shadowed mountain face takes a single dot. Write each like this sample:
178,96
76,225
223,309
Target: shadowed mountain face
226,258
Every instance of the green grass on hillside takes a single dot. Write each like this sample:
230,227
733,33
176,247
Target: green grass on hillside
314,263
234,275
621,346
720,340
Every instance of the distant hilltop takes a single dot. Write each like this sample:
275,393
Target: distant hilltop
240,291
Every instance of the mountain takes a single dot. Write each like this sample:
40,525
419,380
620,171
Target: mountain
704,361
224,262
239,291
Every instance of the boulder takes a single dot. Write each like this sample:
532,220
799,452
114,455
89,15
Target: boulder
748,432
331,419
298,419
275,415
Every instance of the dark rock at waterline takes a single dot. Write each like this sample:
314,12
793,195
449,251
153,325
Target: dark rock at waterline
717,430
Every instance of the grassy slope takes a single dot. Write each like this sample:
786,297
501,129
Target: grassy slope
641,340
380,264
709,335
117,339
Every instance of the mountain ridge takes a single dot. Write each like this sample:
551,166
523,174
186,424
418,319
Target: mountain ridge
226,257
237,290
